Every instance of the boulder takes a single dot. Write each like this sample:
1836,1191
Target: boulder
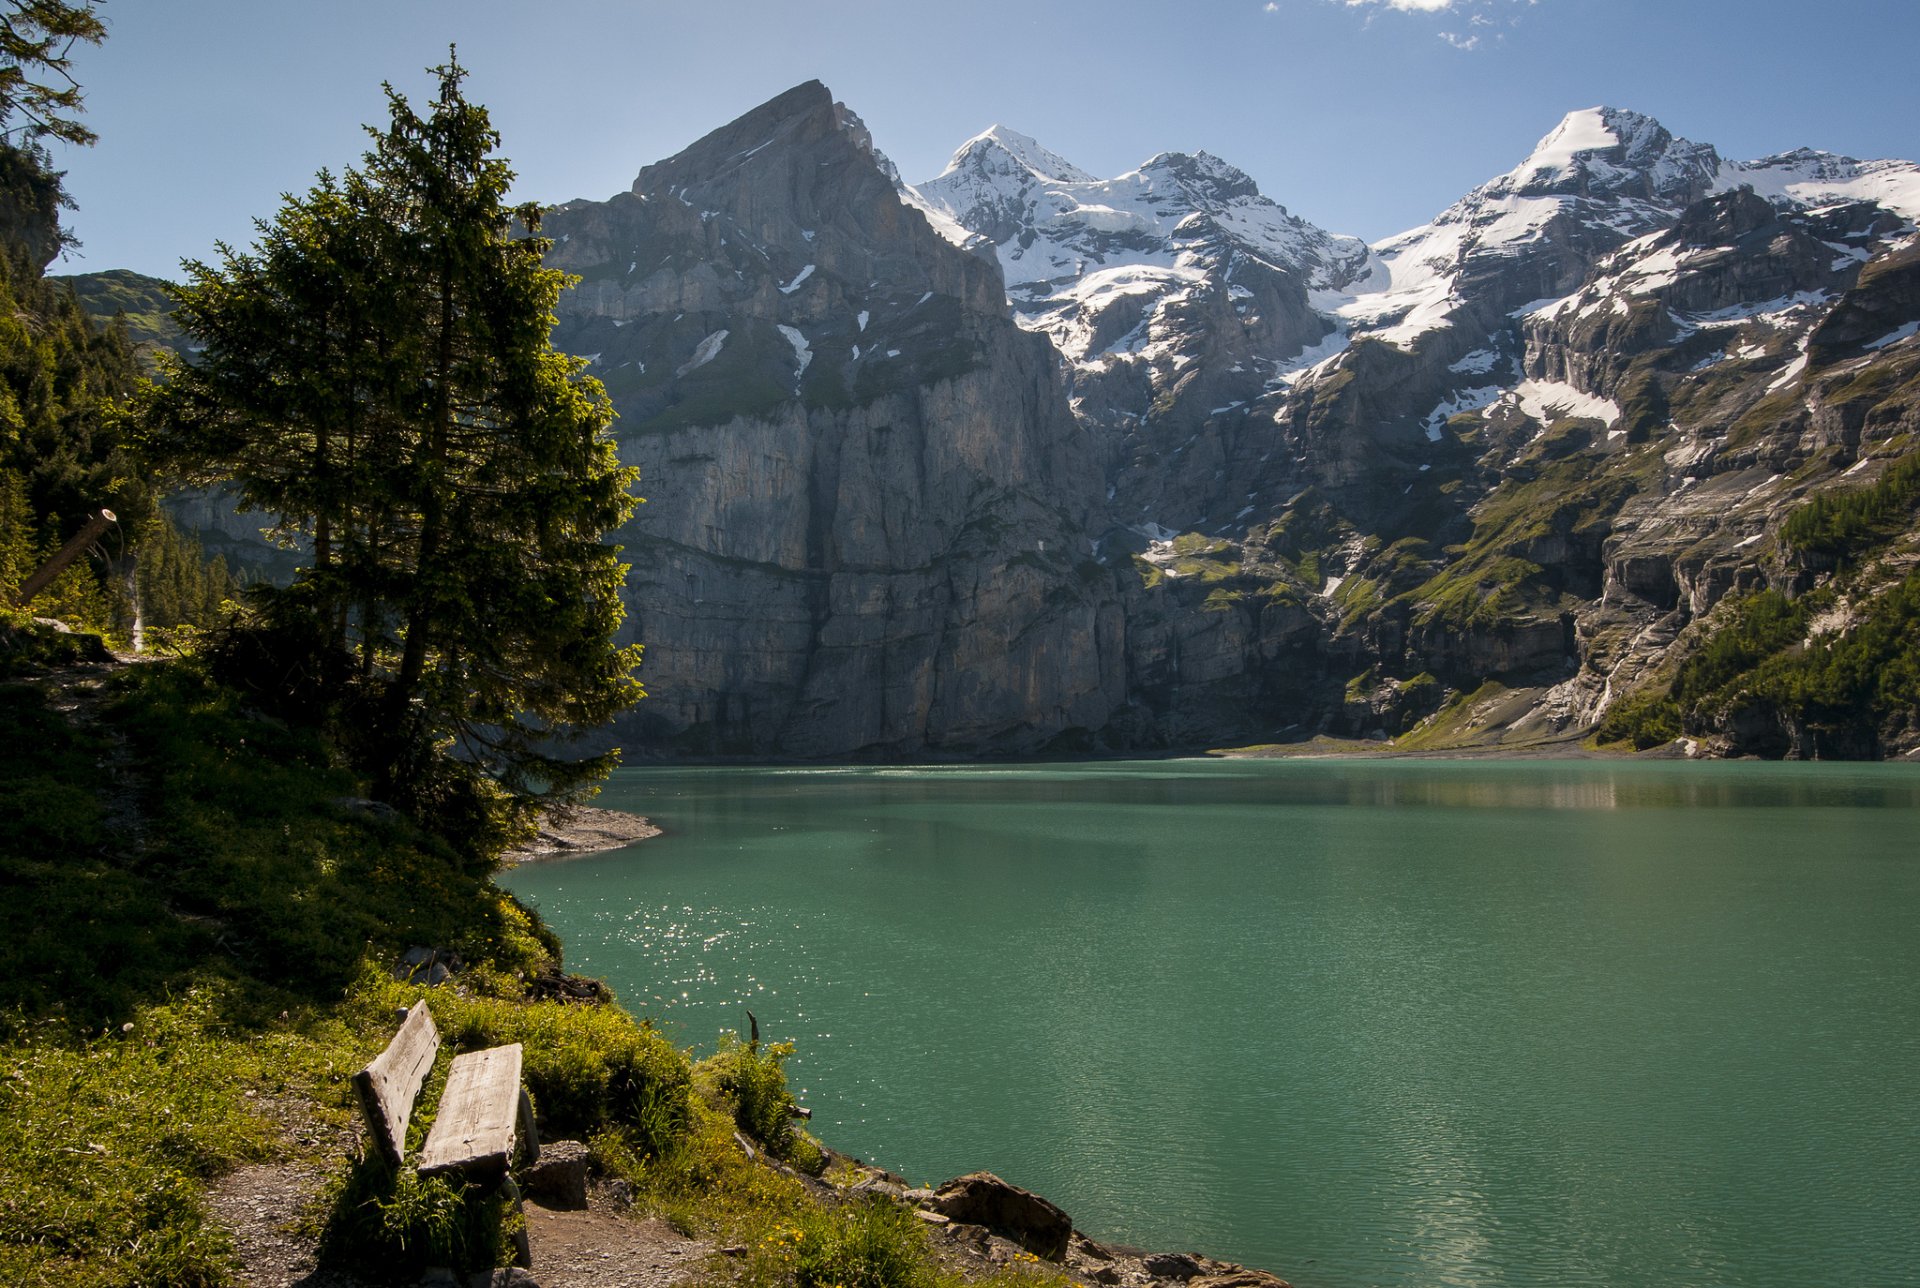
1171,1265
981,1198
559,1178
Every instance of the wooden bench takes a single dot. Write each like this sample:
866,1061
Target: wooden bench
484,1111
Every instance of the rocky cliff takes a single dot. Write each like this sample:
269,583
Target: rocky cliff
1481,479
868,504
1020,459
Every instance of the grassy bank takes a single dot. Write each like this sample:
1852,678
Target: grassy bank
207,916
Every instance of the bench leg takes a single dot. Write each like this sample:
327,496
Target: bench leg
522,1246
529,1133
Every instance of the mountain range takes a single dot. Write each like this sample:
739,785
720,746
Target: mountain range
1022,460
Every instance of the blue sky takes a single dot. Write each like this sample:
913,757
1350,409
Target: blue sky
1365,116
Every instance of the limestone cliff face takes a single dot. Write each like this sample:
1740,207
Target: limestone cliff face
867,501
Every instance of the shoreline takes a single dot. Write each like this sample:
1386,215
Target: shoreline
582,830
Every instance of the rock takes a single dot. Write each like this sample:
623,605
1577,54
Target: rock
559,1179
868,499
1171,1265
879,1187
981,1198
551,984
429,966
506,1277
379,811
1238,1277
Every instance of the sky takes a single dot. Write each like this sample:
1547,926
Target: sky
1364,116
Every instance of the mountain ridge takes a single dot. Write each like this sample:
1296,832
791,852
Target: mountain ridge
1022,460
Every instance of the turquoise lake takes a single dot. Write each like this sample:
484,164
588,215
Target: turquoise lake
1355,1022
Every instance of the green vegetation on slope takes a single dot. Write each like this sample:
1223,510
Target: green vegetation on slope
1838,693
141,304
1843,526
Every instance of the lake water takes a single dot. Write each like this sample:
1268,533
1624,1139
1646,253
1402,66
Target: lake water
1419,1023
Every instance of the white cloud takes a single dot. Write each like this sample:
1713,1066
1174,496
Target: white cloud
1478,13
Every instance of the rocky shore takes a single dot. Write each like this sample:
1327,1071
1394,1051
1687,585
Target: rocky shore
980,1221
584,829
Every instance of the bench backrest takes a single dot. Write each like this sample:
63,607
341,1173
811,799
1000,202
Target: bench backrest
387,1087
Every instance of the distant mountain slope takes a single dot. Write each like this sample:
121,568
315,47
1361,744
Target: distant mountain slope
1532,442
1023,460
142,300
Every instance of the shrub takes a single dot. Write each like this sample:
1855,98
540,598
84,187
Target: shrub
754,1082
870,1244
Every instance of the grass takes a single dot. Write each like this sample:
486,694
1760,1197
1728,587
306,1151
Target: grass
110,1139
184,998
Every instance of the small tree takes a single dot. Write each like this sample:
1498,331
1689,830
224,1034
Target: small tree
378,373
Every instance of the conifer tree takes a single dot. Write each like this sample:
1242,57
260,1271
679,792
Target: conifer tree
38,96
377,372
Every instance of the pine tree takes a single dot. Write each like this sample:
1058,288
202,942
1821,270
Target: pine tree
378,373
38,96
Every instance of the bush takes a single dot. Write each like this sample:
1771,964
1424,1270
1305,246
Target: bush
755,1084
871,1244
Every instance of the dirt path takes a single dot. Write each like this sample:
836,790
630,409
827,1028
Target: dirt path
262,1208
602,1248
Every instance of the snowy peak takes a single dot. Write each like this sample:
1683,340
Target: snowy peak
1204,179
1002,152
1598,179
1109,268
1807,177
1587,130
1053,222
1607,151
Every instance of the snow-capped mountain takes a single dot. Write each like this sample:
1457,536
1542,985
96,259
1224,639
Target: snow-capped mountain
1170,290
1021,457
1302,400
1095,263
1581,225
1601,177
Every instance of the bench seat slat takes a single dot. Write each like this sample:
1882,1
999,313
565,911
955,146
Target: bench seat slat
474,1129
387,1087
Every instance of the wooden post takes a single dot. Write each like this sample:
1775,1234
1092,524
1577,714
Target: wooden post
67,554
